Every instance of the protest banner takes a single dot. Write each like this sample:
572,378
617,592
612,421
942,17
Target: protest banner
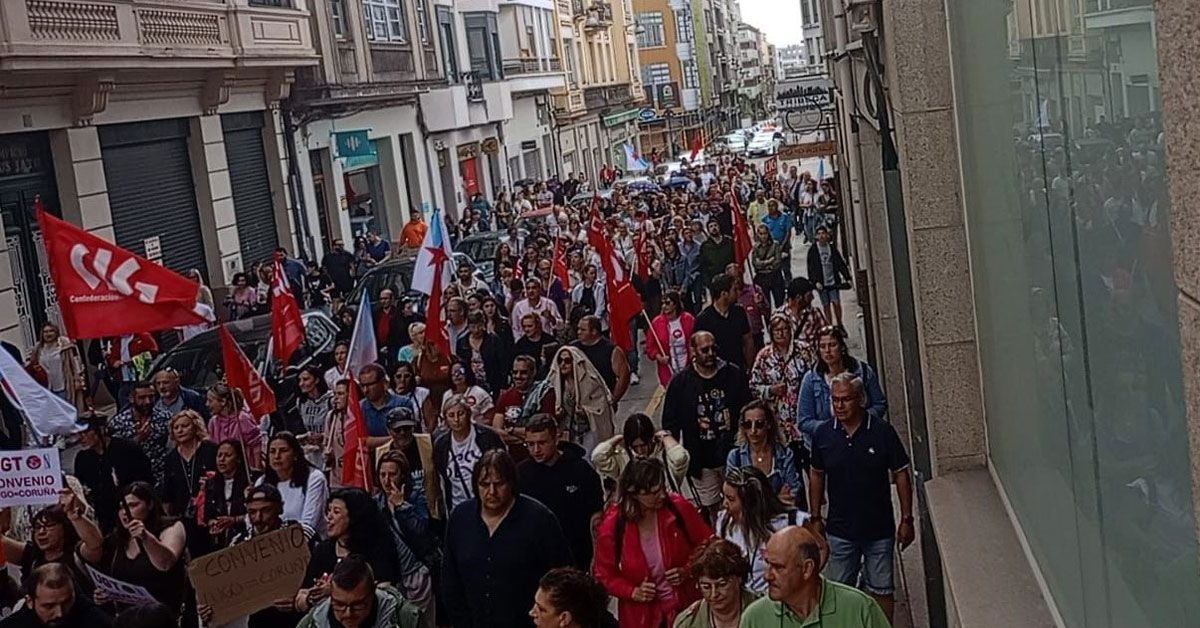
30,477
119,591
251,575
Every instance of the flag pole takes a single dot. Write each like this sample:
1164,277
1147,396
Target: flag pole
658,341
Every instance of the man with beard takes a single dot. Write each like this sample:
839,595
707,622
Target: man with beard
146,425
699,410
51,601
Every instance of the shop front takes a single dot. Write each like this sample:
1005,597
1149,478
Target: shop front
26,173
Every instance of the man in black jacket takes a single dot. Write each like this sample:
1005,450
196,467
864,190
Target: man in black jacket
498,545
51,600
482,352
106,464
701,405
558,474
339,263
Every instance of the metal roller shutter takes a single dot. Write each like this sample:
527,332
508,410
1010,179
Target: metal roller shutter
252,202
150,190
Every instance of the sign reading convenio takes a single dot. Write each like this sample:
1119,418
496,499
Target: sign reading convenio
30,477
249,576
809,150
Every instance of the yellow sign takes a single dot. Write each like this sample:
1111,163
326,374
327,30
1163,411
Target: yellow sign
490,146
805,151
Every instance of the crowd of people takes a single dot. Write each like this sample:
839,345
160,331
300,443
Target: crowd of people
512,481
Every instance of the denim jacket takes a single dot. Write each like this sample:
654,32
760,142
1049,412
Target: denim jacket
815,408
783,469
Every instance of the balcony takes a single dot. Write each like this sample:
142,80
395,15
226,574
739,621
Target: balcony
606,96
199,34
528,75
569,102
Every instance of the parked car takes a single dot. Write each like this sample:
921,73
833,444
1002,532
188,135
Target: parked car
763,144
480,248
199,362
396,274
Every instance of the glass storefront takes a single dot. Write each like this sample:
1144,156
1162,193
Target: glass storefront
1064,174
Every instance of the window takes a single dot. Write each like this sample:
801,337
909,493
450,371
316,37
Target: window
684,30
691,75
337,13
569,60
651,23
483,44
386,20
656,74
446,39
285,4
422,22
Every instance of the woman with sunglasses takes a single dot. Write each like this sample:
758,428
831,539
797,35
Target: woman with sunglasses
778,372
752,513
833,359
583,404
760,445
417,398
667,343
462,383
720,569
643,544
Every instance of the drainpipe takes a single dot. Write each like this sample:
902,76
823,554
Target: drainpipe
859,224
305,243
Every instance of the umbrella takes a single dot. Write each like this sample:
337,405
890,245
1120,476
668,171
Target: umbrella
648,187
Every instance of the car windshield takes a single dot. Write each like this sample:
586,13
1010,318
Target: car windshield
199,360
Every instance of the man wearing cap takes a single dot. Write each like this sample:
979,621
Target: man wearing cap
264,510
402,426
107,463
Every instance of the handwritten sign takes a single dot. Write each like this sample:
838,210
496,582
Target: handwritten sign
251,575
30,477
119,591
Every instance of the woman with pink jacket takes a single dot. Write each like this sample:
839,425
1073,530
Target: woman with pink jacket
667,343
231,419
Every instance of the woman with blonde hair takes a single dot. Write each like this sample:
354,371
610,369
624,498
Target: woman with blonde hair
583,403
232,419
408,353
186,467
58,359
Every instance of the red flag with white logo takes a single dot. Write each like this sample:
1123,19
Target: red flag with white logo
560,265
356,466
287,326
241,374
624,302
105,290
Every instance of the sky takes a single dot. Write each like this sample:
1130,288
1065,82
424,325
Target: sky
778,19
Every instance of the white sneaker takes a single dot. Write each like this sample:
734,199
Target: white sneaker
634,380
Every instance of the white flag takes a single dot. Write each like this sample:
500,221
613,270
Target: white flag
363,348
48,414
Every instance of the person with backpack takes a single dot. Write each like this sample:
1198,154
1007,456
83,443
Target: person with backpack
643,545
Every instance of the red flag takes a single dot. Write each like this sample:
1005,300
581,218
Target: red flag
697,144
435,324
241,374
641,246
560,265
741,231
287,327
356,467
624,302
105,290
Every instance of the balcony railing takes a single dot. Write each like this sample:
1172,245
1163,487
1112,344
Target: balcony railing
90,34
606,96
474,86
517,67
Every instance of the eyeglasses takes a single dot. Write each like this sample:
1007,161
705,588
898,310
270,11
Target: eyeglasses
343,607
754,425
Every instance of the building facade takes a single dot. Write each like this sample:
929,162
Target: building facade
791,61
154,126
754,85
1026,253
595,114
814,35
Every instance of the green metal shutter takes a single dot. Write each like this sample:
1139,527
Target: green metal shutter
252,202
150,190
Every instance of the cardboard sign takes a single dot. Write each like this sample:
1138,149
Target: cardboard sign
119,591
30,477
251,575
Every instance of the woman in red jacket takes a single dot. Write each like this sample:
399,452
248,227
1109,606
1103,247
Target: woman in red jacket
643,546
667,342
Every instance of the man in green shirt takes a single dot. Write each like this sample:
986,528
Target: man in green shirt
799,596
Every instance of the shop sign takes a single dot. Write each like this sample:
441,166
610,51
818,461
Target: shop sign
809,150
354,143
648,114
529,145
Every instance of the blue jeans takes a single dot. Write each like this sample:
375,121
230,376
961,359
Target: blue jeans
864,564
